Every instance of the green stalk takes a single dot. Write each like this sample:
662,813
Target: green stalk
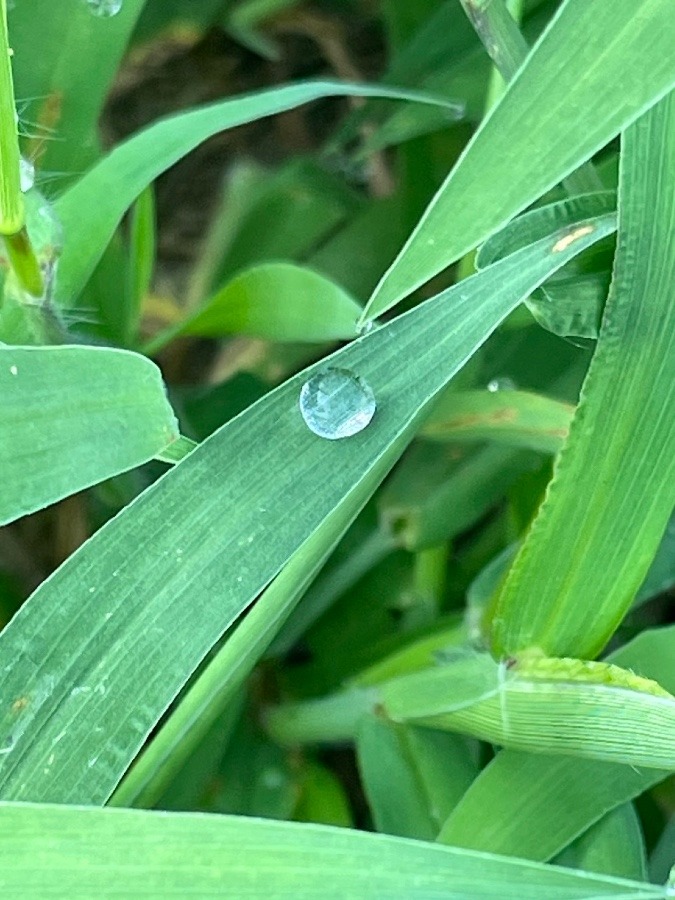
12,210
429,579
328,719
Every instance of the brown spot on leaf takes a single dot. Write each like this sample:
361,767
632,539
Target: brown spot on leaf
564,242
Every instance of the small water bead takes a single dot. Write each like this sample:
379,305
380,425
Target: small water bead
104,9
501,384
336,403
26,175
366,327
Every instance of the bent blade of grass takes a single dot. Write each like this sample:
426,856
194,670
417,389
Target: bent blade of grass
590,710
74,416
615,845
79,852
93,208
276,301
534,136
539,804
582,563
100,650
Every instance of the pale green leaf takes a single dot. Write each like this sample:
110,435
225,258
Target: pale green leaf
64,852
74,416
276,301
513,418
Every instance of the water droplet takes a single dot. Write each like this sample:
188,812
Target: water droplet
104,9
80,689
501,384
26,174
364,327
336,403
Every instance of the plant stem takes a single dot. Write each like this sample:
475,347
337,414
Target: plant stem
496,24
24,262
429,576
333,718
12,209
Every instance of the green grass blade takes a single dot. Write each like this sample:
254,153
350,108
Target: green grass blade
535,136
583,562
142,258
69,853
181,563
217,686
512,418
613,846
539,804
426,502
74,416
276,301
534,224
91,212
412,776
547,706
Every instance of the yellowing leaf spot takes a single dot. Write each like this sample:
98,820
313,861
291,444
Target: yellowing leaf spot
564,242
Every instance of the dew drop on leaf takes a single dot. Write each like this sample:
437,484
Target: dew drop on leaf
501,384
104,9
336,403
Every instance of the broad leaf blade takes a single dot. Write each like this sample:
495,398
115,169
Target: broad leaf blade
74,416
280,302
64,852
535,136
547,706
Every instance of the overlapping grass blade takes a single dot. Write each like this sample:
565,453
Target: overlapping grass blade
535,136
539,804
117,630
582,563
513,418
547,706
